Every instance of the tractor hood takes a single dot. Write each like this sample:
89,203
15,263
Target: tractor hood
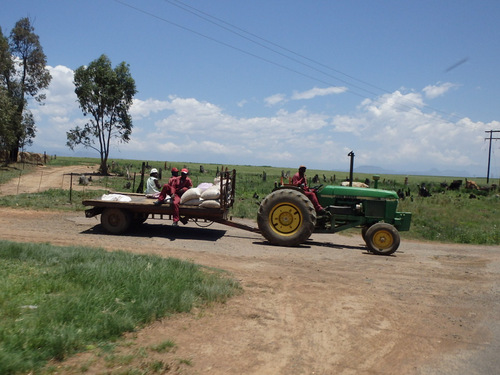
349,191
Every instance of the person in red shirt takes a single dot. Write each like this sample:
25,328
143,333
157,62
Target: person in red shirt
175,172
299,179
175,187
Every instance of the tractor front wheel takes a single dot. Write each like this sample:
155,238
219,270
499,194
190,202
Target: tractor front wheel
382,239
286,217
363,231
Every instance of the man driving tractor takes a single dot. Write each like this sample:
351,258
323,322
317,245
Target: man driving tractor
299,179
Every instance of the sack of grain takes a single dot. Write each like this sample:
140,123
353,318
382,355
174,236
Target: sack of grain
211,193
210,204
192,193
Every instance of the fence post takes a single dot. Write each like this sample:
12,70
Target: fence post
70,187
19,182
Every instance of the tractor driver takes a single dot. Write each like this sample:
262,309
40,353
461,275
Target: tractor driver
299,179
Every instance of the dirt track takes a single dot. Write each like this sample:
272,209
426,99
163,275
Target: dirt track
327,307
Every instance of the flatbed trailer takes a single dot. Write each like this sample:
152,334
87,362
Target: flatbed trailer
118,216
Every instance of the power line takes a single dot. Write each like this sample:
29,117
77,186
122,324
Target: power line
198,13
220,23
204,16
224,43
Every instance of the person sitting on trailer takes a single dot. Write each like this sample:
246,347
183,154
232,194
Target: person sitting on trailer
175,187
299,179
153,186
175,172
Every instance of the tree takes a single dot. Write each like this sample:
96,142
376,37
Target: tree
7,107
106,95
7,111
25,76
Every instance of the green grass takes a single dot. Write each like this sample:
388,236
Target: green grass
56,301
64,161
50,199
454,217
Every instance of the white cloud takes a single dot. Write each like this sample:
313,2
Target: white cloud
304,95
275,99
144,108
349,124
404,135
316,91
61,99
433,91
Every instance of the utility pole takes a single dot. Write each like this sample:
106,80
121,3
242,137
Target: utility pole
489,153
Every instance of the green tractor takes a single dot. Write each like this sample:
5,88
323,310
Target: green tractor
286,217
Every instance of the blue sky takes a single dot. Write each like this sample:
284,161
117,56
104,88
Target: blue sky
409,86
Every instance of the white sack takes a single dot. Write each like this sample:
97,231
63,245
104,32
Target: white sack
210,204
211,193
193,202
204,186
192,193
115,198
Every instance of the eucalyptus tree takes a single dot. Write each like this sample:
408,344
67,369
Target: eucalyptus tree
105,95
7,111
7,108
24,75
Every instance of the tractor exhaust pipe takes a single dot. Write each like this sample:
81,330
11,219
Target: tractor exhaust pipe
351,155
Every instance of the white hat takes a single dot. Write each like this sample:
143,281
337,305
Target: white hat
154,170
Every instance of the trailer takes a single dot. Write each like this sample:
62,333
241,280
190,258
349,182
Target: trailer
118,216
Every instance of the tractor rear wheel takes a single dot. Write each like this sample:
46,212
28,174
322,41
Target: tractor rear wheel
382,239
115,220
286,217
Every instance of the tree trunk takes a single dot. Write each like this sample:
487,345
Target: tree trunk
13,154
104,167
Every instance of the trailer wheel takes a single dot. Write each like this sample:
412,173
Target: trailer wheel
382,239
115,220
286,217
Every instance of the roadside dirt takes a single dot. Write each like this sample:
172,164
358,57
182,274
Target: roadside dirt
327,307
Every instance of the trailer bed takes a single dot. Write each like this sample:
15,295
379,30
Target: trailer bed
117,216
140,205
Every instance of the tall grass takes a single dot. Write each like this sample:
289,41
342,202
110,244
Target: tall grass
55,301
454,217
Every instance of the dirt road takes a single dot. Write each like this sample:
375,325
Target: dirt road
327,307
44,178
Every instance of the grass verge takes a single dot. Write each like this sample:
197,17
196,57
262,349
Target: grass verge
56,301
